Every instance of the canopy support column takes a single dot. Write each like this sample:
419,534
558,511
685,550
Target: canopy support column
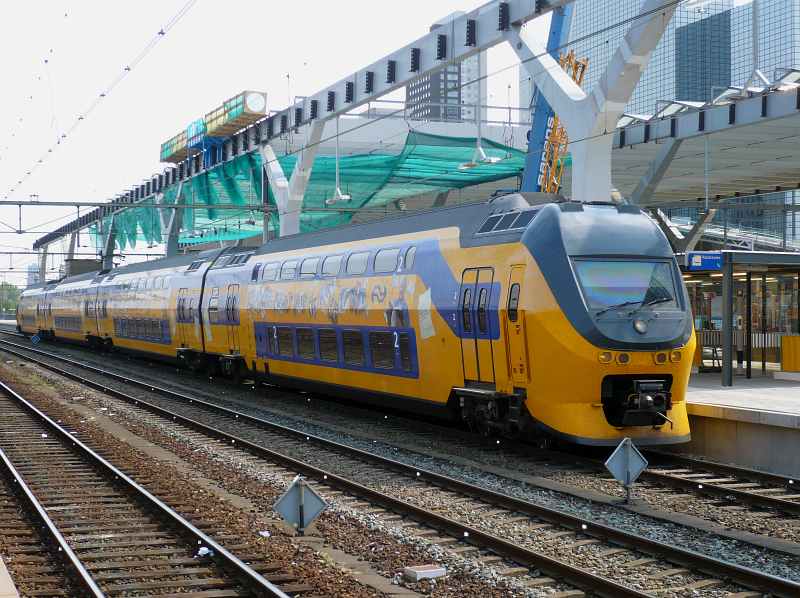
590,120
175,224
109,240
289,194
73,240
43,265
647,186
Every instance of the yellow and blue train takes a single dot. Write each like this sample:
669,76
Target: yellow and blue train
524,314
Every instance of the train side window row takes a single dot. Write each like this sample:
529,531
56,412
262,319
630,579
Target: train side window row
139,328
381,346
386,260
67,323
150,283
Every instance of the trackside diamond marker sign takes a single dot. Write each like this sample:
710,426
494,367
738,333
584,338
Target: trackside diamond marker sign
35,338
300,505
625,464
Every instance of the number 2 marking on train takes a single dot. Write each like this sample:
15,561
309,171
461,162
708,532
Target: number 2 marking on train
396,340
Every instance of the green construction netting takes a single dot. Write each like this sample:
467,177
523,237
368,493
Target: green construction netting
426,164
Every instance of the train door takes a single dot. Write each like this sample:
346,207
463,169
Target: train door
181,315
476,331
232,317
515,329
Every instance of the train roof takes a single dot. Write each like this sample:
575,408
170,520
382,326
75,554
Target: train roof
468,217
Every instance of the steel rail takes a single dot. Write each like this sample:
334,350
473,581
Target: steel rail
225,558
84,577
708,565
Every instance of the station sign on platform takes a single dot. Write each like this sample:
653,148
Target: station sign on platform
703,260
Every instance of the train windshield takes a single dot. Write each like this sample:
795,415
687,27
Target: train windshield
608,284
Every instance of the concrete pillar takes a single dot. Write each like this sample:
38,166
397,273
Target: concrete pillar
173,226
590,120
289,194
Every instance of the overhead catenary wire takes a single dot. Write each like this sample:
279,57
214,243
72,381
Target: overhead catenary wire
44,69
128,68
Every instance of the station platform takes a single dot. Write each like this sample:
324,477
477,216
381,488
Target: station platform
754,423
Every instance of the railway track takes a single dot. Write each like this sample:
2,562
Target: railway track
726,485
531,536
72,523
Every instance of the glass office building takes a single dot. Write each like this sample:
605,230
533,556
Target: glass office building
598,28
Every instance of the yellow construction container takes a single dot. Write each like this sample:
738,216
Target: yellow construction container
174,150
237,113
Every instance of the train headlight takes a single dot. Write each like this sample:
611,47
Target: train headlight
675,356
623,358
641,326
606,357
661,358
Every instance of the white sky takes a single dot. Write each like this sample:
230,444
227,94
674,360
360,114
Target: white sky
215,51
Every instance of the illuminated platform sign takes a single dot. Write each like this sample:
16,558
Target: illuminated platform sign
704,260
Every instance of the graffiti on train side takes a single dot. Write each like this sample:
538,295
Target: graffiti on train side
331,298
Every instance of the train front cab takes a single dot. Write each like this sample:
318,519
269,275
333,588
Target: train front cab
607,327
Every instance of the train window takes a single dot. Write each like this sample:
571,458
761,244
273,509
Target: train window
489,224
285,341
482,311
524,218
465,311
405,351
254,275
506,222
270,272
213,309
386,260
157,283
328,344
308,269
131,328
305,343
141,283
381,349
288,269
191,310
271,339
167,278
353,343
410,255
139,329
513,302
332,265
149,284
148,329
357,262
117,327
157,330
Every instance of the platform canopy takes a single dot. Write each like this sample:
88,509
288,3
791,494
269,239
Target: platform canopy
426,164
